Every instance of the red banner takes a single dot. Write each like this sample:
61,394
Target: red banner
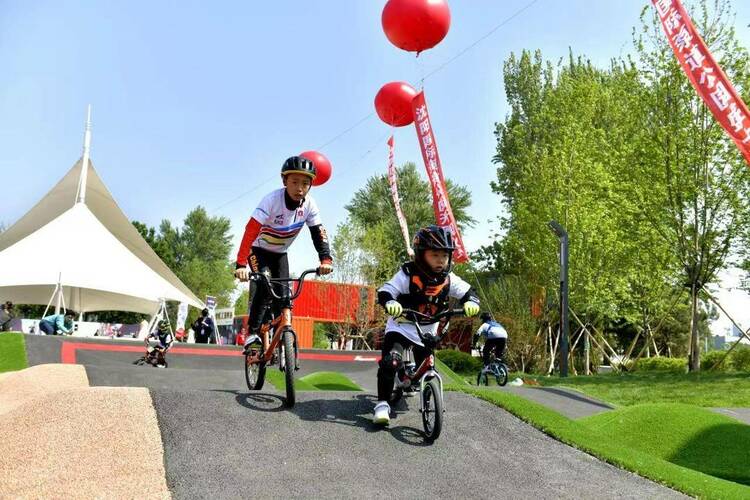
393,181
705,74
440,201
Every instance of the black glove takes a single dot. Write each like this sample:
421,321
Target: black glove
430,342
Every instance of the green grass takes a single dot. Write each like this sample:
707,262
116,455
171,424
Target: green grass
318,381
330,381
685,435
450,378
12,352
728,390
604,442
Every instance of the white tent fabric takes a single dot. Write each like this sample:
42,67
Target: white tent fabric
102,260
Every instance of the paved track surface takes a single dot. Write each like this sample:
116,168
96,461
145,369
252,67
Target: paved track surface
221,441
233,444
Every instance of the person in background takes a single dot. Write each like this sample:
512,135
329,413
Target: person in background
203,327
58,324
495,338
6,316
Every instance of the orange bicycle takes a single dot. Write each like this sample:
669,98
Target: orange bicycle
282,348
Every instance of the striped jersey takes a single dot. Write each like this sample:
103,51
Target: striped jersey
279,225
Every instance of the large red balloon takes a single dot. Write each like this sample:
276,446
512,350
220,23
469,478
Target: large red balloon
322,166
416,25
393,103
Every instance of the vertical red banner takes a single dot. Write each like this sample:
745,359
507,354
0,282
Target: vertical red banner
393,181
705,74
440,201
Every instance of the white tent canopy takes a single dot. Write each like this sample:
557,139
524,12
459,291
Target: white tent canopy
102,261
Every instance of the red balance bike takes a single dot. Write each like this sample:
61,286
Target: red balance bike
430,384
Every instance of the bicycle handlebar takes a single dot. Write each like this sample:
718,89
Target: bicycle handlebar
426,318
268,281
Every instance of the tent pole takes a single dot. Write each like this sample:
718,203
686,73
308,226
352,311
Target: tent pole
85,160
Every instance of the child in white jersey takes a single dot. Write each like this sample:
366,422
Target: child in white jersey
271,230
424,285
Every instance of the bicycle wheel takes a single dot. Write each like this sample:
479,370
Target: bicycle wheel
289,364
432,410
502,377
255,373
482,378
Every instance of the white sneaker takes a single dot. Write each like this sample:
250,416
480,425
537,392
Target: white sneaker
382,413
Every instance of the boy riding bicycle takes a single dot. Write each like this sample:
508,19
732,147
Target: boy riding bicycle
271,230
496,337
424,285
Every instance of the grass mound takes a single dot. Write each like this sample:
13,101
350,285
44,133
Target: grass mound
598,442
330,381
318,381
685,435
12,352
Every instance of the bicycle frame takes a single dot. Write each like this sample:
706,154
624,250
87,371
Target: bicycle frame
279,324
426,371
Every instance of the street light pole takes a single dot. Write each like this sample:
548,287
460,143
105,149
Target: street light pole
562,235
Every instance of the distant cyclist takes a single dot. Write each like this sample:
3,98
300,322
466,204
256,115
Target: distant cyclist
158,343
496,337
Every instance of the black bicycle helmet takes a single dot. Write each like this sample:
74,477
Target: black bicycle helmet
433,238
299,165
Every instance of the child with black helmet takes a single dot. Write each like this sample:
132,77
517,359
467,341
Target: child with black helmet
271,230
424,285
156,353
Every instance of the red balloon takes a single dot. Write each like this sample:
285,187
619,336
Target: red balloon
393,103
322,166
416,25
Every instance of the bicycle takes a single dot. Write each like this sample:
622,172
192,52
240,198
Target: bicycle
430,383
282,347
497,368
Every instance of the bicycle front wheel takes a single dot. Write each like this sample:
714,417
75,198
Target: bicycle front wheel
289,364
432,410
502,377
255,373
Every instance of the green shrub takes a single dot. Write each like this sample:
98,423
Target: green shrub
459,362
661,364
740,359
709,359
320,338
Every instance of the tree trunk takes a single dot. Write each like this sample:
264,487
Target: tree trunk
694,363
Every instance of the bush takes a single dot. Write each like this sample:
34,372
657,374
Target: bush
709,359
661,364
740,359
459,362
320,337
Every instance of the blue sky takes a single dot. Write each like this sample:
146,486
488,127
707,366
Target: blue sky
198,102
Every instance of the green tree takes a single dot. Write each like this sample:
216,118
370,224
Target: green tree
694,187
372,229
559,153
198,253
